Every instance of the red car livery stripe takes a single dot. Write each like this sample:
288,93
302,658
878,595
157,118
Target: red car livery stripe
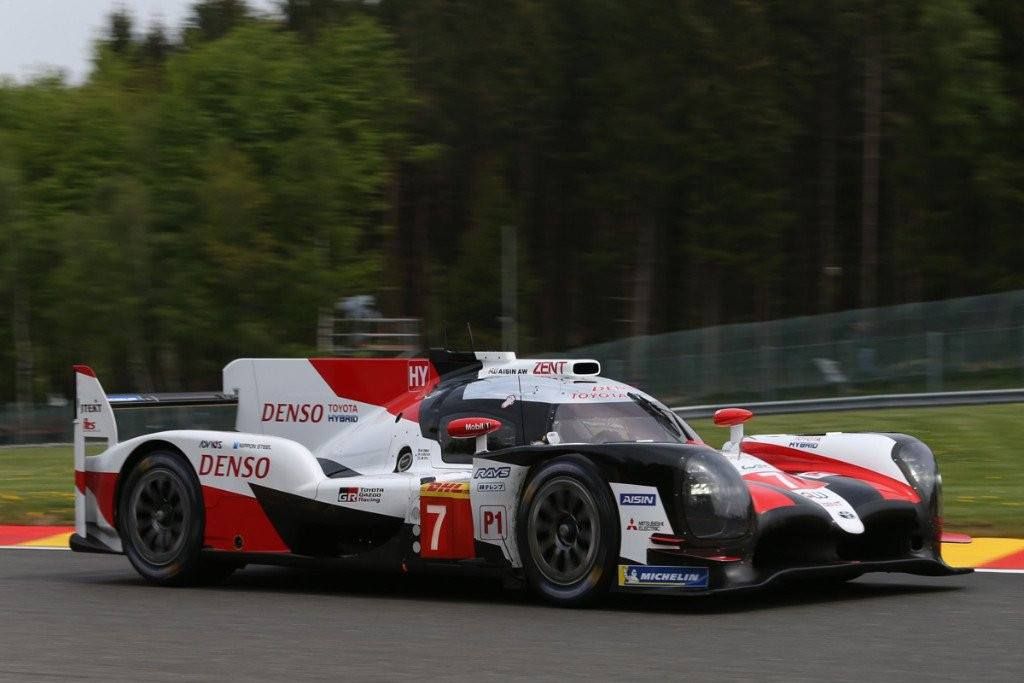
103,486
395,384
794,461
238,522
767,497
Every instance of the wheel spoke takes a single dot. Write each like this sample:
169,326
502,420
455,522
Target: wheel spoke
577,506
564,530
159,515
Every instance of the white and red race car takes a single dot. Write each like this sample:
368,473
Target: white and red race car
539,470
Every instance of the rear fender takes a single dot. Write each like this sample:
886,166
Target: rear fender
226,463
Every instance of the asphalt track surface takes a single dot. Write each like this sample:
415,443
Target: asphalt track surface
70,616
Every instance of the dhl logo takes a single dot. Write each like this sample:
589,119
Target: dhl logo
445,489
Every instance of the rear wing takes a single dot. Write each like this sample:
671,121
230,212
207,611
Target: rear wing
95,410
93,415
94,418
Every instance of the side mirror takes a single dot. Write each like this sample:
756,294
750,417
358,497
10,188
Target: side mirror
733,418
474,428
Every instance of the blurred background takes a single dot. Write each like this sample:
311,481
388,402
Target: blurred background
721,201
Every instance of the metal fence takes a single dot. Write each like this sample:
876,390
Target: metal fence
958,344
969,343
368,336
53,424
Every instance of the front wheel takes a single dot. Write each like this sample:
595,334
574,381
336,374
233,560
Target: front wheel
161,520
568,532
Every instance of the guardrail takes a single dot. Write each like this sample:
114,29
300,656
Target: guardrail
818,405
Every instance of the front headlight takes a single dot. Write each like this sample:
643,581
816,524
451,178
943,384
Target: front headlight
917,463
716,501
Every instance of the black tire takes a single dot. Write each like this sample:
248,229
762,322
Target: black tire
568,532
161,521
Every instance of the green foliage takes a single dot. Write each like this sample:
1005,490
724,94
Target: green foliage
665,164
167,216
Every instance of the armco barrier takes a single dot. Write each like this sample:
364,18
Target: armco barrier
817,405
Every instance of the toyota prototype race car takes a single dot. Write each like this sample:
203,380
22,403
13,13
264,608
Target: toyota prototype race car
538,470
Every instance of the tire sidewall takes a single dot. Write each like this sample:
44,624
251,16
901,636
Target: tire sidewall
596,583
185,566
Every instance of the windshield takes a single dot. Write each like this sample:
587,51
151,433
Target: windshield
635,420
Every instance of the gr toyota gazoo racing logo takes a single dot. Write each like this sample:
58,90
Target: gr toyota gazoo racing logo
360,494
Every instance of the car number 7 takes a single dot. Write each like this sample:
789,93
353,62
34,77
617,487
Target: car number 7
440,511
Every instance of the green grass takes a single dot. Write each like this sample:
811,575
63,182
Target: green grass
979,450
37,485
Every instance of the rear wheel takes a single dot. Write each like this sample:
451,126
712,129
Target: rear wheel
161,520
568,532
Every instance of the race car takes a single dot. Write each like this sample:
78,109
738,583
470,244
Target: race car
540,471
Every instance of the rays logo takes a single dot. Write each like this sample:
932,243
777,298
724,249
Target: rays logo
492,473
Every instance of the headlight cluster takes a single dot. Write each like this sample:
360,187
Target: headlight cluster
716,501
917,463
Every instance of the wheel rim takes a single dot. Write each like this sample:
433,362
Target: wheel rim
564,528
158,517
